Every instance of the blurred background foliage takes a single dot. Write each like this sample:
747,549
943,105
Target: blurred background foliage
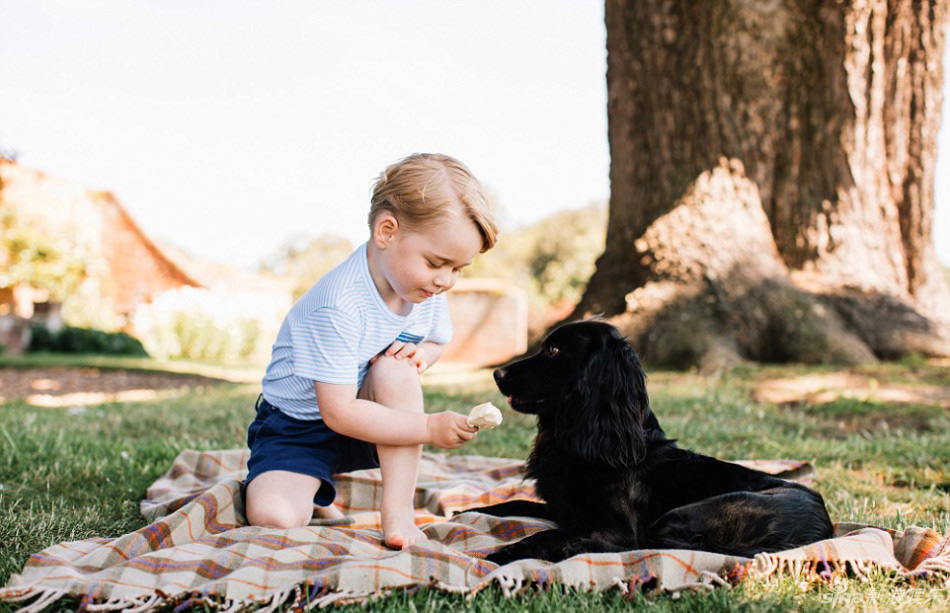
550,260
306,259
201,324
30,254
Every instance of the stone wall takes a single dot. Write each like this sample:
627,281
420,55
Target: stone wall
14,334
490,320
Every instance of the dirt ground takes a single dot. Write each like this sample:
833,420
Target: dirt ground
70,386
830,387
62,386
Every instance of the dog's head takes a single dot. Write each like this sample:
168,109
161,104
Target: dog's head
588,389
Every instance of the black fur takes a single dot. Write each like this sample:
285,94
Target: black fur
612,481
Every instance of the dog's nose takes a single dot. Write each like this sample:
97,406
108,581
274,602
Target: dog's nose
499,374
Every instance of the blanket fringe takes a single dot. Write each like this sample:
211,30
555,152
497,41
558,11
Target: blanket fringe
297,598
43,600
621,585
278,599
710,579
148,604
706,580
939,565
234,606
307,596
448,587
331,598
768,565
511,585
141,603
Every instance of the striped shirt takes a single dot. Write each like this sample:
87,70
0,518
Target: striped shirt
331,333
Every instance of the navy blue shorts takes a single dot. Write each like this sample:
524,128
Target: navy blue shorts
307,447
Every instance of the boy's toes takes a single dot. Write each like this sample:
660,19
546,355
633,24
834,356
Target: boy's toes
395,541
405,538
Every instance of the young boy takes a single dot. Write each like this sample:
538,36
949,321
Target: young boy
342,390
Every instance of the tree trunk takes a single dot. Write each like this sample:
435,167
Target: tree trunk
811,122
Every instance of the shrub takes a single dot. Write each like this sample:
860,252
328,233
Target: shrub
203,324
41,339
84,340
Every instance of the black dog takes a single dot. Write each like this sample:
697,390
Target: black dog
612,481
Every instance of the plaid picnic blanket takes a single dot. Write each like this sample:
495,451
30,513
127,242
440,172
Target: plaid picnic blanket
198,549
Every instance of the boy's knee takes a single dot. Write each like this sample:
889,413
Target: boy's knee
390,378
275,514
276,499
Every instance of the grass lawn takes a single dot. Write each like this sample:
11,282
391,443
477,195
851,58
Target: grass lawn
69,474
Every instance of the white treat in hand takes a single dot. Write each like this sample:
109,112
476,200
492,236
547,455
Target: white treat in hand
484,416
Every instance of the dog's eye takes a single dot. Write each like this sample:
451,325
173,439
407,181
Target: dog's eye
552,351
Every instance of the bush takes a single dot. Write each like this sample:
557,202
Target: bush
41,339
202,324
552,260
84,340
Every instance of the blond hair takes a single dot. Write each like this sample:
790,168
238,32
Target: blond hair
419,188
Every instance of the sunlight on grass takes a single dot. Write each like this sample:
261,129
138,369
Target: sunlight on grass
235,373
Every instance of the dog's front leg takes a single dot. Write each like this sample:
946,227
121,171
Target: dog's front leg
515,508
547,545
554,546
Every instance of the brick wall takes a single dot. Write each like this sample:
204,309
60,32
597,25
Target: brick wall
138,269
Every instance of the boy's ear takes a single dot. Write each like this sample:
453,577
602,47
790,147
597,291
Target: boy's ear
385,229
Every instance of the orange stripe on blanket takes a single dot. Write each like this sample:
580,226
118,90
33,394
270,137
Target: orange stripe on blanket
639,560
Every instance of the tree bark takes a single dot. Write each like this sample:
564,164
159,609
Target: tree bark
829,110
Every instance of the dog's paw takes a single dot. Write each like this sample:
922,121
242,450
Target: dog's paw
505,555
472,510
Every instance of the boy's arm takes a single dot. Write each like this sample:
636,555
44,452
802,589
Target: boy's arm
431,352
369,421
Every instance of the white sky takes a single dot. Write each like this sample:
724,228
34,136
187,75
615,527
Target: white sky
225,126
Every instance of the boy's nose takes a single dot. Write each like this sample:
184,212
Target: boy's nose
444,281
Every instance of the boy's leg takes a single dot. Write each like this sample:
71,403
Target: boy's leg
280,499
395,384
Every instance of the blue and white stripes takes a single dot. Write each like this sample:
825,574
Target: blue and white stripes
333,331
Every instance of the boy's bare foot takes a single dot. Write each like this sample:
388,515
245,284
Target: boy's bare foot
327,512
400,531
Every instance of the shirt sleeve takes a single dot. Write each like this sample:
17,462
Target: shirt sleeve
441,330
324,347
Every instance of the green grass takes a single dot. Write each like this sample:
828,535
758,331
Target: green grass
68,477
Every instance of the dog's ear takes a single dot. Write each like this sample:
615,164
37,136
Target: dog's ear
601,420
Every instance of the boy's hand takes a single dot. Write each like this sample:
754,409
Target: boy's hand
405,351
449,430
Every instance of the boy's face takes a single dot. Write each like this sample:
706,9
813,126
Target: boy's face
420,263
